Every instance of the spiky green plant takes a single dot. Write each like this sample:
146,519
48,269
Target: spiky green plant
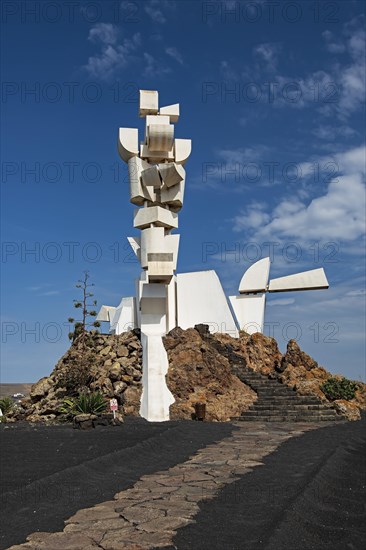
85,403
6,405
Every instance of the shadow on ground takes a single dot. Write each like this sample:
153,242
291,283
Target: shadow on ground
48,473
309,495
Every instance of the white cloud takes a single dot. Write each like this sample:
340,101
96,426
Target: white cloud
243,155
42,290
113,57
338,90
338,214
106,33
157,9
331,133
345,162
351,78
353,160
116,55
360,292
153,67
267,53
299,92
175,54
281,302
238,166
254,217
331,44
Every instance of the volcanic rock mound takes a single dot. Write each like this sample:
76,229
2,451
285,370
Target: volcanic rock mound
201,369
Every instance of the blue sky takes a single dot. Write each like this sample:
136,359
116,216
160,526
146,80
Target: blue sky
272,96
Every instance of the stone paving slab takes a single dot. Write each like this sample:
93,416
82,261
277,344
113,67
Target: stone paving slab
149,514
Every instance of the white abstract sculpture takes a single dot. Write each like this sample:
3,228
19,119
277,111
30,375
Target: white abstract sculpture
165,300
157,179
249,306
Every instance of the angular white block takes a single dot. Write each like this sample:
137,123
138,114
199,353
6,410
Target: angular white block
171,319
106,313
151,292
139,193
173,196
152,307
182,150
201,299
154,241
156,215
151,177
160,271
135,243
155,156
149,103
160,137
128,143
171,243
172,111
135,168
249,312
125,316
156,397
314,279
157,119
171,173
149,192
255,279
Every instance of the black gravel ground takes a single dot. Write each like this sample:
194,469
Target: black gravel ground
48,473
309,495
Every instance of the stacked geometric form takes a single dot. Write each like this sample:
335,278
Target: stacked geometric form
164,299
157,180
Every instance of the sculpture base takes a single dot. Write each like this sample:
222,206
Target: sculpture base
156,397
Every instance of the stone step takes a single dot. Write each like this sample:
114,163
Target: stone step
284,412
264,389
257,377
275,394
263,380
260,381
287,418
279,403
271,391
280,399
295,406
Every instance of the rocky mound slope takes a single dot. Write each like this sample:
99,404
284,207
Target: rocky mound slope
201,370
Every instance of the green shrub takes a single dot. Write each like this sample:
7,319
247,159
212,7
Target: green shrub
85,403
339,388
6,405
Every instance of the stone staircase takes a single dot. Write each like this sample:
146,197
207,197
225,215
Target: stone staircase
279,403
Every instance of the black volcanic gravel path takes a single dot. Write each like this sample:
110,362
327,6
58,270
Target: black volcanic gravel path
309,495
48,473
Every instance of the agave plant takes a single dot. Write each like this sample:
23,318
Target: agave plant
6,405
85,403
